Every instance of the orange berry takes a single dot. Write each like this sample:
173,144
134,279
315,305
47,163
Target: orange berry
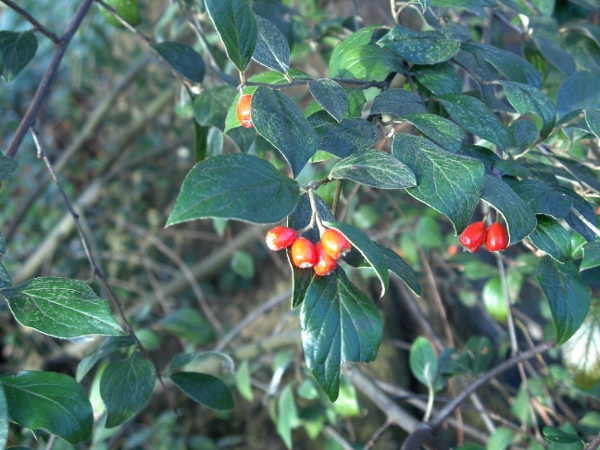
497,238
279,238
325,263
452,250
473,237
304,254
335,243
244,113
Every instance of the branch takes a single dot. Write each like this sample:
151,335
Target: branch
32,20
44,87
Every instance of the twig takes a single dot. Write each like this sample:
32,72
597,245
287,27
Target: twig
594,443
510,321
33,21
377,434
44,87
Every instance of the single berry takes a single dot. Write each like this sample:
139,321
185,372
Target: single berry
325,263
497,238
335,243
244,114
279,238
473,237
304,254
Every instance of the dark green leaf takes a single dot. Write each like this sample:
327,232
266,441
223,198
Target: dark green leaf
3,419
200,142
5,278
581,90
452,362
211,105
17,49
110,345
7,167
341,139
589,175
429,47
556,55
52,401
374,168
236,24
2,244
526,99
550,237
440,79
423,362
368,62
277,118
512,66
272,49
235,186
442,131
543,199
476,117
398,102
339,324
583,208
480,351
331,97
125,387
555,435
568,295
184,59
525,133
592,119
520,219
450,184
62,308
204,389
369,249
591,256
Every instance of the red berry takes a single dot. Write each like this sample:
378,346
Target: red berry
244,114
335,243
497,237
325,263
473,237
304,253
279,238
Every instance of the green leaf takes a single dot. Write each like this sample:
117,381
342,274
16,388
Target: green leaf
480,352
110,345
557,436
580,91
592,119
235,186
243,265
367,62
211,105
272,49
398,102
369,249
442,131
52,401
5,279
581,353
188,324
204,389
476,117
277,118
374,168
494,301
3,419
520,219
450,184
184,59
2,244
440,79
582,173
423,362
331,96
125,387
568,295
242,380
501,439
236,24
287,417
550,237
526,99
543,199
428,47
452,362
342,139
512,66
591,256
339,324
556,55
585,209
362,37
17,49
200,142
62,308
7,167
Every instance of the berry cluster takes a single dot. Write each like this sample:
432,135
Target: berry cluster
476,235
321,256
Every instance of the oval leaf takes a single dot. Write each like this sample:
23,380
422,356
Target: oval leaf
543,199
17,49
568,295
184,59
277,118
211,105
526,99
398,102
591,256
442,131
429,47
125,387
204,389
52,401
235,186
451,184
423,362
550,237
236,24
331,97
341,139
338,324
7,167
368,62
62,308
272,49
